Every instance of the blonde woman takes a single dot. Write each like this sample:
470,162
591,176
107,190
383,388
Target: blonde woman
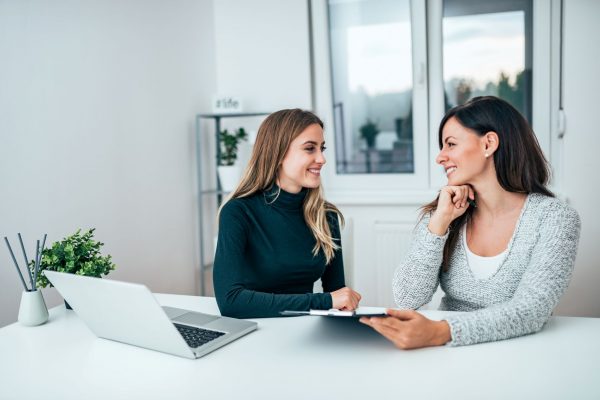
277,235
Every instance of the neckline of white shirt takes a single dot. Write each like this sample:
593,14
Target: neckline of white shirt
487,258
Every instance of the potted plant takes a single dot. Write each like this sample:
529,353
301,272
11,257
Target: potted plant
369,132
229,173
77,254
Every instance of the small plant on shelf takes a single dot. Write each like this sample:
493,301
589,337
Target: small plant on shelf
229,145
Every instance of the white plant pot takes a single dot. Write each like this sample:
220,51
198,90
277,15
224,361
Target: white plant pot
33,309
229,176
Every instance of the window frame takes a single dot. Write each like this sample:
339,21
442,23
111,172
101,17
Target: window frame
324,107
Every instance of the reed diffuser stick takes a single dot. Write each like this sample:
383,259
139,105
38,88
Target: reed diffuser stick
26,261
39,261
16,264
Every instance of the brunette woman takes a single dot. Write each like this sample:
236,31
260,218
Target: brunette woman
499,243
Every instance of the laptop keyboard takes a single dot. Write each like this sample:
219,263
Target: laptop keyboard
195,337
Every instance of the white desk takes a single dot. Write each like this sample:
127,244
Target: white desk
298,358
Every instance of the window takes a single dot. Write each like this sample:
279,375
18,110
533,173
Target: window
487,51
371,60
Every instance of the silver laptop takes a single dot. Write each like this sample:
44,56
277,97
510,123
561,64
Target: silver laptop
129,313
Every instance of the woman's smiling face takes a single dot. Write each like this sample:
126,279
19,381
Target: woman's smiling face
463,153
301,166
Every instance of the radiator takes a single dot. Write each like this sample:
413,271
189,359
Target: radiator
392,240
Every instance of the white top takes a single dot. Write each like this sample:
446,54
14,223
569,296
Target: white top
482,267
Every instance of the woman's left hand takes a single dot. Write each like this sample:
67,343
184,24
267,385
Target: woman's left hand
409,329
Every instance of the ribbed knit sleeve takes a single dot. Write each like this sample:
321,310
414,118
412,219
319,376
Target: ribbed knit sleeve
417,277
540,288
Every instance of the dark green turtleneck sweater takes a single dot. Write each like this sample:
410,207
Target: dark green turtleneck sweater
264,262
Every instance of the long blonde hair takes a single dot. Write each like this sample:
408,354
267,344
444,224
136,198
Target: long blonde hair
274,137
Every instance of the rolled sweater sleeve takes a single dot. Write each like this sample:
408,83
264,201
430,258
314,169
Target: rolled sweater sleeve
233,297
417,277
539,290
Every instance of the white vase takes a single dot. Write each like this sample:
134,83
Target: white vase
33,309
229,177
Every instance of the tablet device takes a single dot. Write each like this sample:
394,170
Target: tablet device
334,312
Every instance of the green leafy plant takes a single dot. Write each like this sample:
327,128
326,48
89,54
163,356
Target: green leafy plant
77,254
229,145
369,131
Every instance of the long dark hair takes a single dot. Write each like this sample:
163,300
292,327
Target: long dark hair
521,166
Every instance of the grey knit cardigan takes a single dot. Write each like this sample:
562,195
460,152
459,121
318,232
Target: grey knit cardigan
519,298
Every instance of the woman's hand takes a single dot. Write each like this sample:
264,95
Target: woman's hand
345,299
452,203
408,329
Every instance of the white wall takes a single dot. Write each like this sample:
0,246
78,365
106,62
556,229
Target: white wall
262,53
581,86
97,100
262,57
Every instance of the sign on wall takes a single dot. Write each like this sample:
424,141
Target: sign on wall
227,104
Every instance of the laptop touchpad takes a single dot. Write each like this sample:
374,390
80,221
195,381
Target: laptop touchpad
193,318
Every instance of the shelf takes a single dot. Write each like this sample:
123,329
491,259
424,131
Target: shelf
231,115
217,192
